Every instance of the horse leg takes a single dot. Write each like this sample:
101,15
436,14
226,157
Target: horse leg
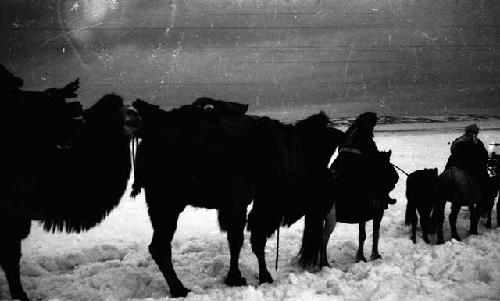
329,226
414,231
455,208
10,255
164,224
362,236
437,221
488,211
411,217
425,223
235,238
376,235
498,212
474,218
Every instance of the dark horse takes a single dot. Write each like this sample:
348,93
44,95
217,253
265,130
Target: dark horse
68,179
457,187
359,186
493,190
421,193
427,192
211,154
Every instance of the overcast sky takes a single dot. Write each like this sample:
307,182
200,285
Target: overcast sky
396,56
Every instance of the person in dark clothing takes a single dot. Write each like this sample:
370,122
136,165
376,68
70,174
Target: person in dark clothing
359,140
469,154
359,135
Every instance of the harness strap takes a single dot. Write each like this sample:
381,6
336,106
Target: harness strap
350,150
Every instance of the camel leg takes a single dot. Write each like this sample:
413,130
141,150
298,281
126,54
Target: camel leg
362,236
329,226
259,240
10,255
164,224
235,238
376,235
453,221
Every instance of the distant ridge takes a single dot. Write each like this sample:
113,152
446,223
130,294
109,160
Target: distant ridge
390,119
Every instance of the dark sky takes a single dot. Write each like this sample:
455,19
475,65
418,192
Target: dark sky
392,56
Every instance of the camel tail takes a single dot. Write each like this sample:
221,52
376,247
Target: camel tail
311,240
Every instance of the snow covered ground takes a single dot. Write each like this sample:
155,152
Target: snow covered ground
111,261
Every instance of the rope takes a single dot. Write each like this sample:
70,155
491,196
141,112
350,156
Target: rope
400,169
277,246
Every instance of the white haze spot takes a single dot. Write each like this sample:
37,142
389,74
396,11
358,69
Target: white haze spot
95,10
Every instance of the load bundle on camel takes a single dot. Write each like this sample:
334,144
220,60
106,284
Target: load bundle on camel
36,123
69,184
46,111
212,154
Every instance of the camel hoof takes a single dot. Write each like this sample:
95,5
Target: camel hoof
266,278
375,257
360,258
235,281
324,264
21,296
179,292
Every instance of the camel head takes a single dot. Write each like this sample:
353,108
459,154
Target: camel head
131,121
110,116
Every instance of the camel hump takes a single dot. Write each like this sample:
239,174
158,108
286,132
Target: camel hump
224,107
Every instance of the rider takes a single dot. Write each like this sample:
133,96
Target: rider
469,154
359,135
359,139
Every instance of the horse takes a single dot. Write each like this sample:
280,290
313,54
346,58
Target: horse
421,191
352,204
211,154
493,190
66,170
457,187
